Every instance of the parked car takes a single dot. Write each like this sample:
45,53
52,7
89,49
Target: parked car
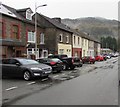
25,68
104,57
99,58
77,62
107,56
55,63
67,61
88,59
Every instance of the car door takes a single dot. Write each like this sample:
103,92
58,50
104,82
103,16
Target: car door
16,70
6,68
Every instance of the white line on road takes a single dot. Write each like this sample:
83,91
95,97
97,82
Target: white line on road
11,88
55,76
31,83
63,74
44,79
70,72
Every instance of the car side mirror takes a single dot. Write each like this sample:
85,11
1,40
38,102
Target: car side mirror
17,64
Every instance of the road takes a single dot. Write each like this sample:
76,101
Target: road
94,84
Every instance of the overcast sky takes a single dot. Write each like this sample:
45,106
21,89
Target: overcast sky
70,8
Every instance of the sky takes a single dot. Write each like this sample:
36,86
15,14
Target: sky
70,8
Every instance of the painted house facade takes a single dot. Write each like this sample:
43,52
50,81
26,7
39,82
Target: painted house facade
77,46
90,48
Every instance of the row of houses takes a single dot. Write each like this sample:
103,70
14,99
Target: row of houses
17,36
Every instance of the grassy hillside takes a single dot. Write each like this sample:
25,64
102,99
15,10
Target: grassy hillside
96,27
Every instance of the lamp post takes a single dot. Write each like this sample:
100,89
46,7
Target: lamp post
36,7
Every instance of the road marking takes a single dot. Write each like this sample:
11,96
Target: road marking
44,79
31,83
11,88
55,76
72,76
63,74
70,72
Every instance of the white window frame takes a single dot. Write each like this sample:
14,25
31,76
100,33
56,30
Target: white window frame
78,40
74,39
28,15
42,36
60,35
32,52
31,36
67,39
61,51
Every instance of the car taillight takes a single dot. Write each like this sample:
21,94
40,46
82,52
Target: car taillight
52,63
72,61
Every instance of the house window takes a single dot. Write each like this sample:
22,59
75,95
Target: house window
1,30
74,39
15,32
61,51
78,40
61,38
83,52
42,38
67,39
28,15
31,36
82,42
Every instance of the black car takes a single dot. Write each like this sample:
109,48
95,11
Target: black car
26,68
55,63
77,62
67,61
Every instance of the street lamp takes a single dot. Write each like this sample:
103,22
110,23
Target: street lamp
36,7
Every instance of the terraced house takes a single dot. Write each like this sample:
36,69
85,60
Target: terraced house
84,45
58,37
77,44
17,36
12,32
17,33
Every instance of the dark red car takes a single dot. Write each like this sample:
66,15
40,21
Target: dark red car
99,58
88,59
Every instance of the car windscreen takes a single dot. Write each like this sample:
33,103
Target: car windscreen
27,61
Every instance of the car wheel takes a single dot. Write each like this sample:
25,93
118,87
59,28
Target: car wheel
27,75
80,65
72,67
64,67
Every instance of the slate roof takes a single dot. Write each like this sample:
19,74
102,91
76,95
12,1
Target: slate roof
85,35
23,10
19,16
56,23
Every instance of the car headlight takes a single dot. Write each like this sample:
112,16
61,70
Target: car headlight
36,69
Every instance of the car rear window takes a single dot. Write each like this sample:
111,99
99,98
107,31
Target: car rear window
56,60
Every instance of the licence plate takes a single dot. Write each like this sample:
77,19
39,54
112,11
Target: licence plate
47,72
